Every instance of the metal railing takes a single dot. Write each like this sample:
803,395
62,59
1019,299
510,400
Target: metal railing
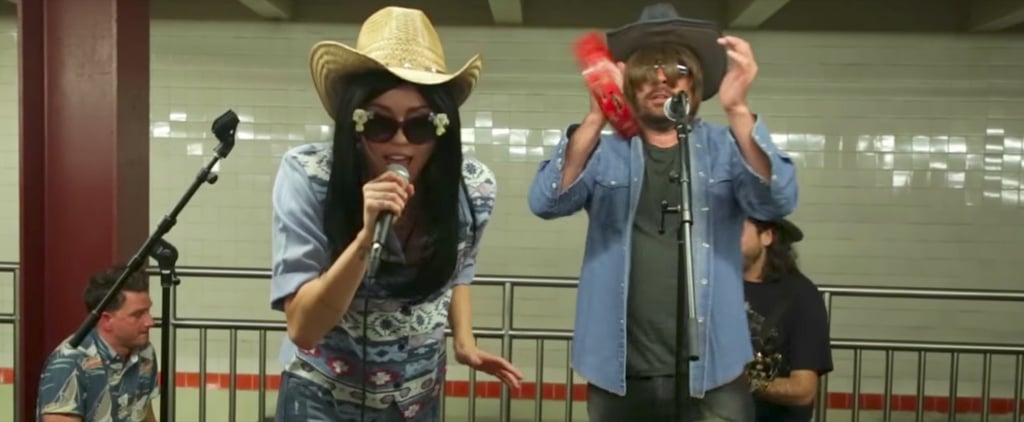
12,320
507,332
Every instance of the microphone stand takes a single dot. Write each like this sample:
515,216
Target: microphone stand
166,255
677,109
224,128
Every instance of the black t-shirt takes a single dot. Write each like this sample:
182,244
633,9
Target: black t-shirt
801,332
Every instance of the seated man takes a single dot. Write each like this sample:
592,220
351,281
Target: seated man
788,323
112,375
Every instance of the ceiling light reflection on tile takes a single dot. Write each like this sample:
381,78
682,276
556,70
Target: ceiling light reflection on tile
887,161
518,136
194,148
517,153
901,178
245,132
995,131
552,137
956,179
864,143
957,144
814,142
920,143
484,119
161,130
781,140
1010,197
536,152
500,135
1013,145
1011,162
468,136
178,116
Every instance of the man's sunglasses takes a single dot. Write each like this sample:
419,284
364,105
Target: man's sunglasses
377,128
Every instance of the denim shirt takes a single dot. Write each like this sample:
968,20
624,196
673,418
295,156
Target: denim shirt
405,342
725,190
96,384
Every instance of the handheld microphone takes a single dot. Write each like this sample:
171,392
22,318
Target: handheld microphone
383,226
677,107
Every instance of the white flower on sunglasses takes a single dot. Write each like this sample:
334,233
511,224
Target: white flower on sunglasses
360,117
440,122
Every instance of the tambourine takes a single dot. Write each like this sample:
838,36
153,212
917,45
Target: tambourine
604,80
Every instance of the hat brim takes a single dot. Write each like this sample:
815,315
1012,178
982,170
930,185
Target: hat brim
331,62
789,231
700,36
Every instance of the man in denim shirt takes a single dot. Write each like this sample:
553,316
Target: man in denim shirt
624,341
112,375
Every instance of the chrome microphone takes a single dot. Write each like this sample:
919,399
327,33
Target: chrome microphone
677,107
383,226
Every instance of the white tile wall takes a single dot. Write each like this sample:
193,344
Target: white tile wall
909,152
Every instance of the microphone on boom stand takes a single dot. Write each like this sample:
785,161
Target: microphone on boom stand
677,109
224,128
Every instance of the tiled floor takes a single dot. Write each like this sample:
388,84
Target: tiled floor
456,410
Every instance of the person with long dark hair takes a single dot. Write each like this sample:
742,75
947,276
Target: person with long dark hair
361,348
788,323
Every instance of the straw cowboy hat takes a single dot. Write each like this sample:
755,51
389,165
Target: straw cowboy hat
396,39
660,23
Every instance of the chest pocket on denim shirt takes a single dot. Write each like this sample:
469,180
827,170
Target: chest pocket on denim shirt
718,179
611,193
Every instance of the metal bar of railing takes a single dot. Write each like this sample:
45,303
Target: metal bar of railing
954,378
890,358
262,356
858,363
538,384
922,373
202,374
927,346
1018,367
507,334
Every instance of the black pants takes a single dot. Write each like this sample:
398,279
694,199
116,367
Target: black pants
653,400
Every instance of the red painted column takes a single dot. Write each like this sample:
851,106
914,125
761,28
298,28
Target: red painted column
84,126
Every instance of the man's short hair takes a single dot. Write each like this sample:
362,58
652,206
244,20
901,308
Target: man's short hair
101,282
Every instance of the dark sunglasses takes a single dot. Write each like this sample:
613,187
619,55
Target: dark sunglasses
418,130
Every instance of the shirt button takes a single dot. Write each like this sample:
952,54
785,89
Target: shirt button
613,183
700,320
554,186
703,281
705,209
706,245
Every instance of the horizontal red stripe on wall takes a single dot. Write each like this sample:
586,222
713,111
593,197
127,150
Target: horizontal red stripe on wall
559,392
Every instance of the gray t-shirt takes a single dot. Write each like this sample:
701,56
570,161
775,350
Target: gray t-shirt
651,306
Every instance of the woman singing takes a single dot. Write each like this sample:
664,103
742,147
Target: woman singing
373,348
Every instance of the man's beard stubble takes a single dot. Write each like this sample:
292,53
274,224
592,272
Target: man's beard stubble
655,121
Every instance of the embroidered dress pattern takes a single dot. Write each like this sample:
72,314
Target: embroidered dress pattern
404,338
